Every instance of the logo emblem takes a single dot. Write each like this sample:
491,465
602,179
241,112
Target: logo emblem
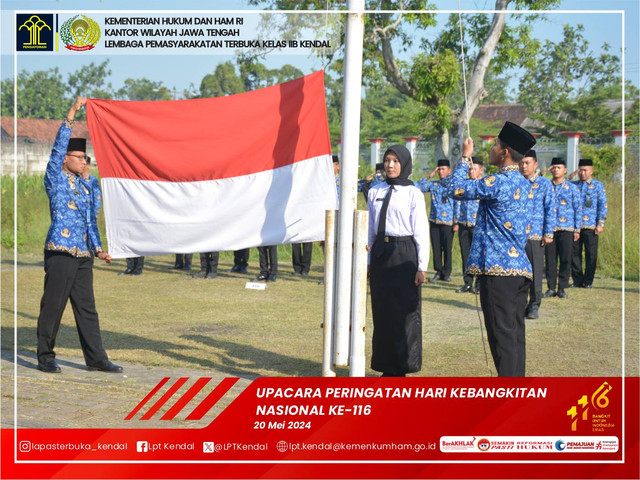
80,33
560,445
484,444
34,33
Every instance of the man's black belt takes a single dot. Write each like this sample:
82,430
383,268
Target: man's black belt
388,239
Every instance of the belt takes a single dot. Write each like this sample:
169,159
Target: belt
388,239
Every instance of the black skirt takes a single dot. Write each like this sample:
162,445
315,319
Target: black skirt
395,303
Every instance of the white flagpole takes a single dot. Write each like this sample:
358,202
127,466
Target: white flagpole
352,87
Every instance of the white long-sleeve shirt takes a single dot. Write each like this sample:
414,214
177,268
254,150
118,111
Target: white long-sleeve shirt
406,216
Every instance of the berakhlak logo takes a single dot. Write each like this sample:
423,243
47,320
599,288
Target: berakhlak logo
560,445
80,33
34,32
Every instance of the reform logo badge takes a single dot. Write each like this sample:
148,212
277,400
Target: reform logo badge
80,33
34,32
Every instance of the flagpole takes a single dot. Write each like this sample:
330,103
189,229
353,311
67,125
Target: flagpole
352,87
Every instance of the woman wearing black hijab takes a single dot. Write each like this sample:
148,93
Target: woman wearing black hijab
398,258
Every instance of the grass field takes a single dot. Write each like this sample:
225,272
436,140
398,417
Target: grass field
166,318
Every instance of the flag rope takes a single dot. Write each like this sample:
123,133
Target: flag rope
464,69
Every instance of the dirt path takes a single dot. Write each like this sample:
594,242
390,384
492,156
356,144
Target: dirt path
77,398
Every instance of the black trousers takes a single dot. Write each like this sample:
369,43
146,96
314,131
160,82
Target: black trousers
441,243
535,254
209,262
184,260
559,251
135,264
503,301
396,309
69,278
301,256
241,257
465,236
589,242
268,260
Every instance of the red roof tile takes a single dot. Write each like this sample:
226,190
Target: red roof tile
38,130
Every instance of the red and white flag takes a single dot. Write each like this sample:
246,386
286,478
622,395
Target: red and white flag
214,174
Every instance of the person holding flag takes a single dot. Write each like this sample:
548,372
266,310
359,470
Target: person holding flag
72,241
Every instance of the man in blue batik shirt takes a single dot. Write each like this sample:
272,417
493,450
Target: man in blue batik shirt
594,214
568,223
72,241
440,220
541,208
464,214
497,253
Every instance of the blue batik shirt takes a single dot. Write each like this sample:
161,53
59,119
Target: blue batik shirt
376,181
541,208
500,235
465,212
594,203
73,229
441,205
569,210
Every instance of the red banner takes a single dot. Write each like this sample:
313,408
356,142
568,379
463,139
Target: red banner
357,428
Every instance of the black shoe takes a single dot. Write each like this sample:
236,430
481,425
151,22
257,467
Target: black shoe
176,267
549,293
304,274
464,289
105,366
242,269
587,285
138,272
295,273
128,271
562,294
49,367
435,278
272,278
446,279
200,274
187,268
531,313
211,275
261,277
235,268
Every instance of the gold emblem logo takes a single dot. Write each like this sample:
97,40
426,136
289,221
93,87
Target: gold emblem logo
516,196
513,252
585,218
65,233
489,181
80,33
528,228
563,202
508,226
34,25
72,205
459,192
563,219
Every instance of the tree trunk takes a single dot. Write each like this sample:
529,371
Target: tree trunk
476,91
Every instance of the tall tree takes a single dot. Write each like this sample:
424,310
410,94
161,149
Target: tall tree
433,76
224,81
568,84
143,89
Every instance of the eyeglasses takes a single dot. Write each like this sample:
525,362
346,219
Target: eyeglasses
83,157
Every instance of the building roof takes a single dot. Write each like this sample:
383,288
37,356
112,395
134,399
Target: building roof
514,112
39,130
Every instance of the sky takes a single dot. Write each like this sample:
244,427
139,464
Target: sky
180,69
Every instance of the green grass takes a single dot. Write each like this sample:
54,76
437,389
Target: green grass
166,318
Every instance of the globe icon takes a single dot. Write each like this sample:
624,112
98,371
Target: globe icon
281,446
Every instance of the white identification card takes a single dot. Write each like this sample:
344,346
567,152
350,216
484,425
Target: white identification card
256,286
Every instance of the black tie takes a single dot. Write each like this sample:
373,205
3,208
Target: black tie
382,223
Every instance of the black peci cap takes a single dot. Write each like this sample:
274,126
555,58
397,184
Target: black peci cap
77,145
443,162
516,137
559,161
585,162
531,153
477,160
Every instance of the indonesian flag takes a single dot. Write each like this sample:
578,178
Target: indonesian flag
214,174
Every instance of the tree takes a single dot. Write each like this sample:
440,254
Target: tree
41,94
143,89
224,81
567,87
433,76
